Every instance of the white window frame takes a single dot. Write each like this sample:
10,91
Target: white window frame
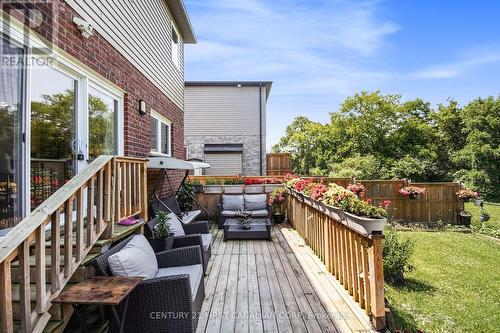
161,120
74,69
175,47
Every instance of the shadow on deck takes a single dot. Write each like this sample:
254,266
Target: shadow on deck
278,285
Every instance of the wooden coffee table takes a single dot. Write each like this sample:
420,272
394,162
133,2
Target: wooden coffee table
101,290
260,228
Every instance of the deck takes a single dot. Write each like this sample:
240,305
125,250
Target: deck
274,286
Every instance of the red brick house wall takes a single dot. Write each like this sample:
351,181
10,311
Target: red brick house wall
54,22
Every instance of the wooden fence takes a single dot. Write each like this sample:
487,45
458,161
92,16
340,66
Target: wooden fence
278,164
354,259
439,203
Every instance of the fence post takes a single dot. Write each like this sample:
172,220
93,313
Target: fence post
376,269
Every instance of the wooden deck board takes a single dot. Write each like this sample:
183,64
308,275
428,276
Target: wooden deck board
273,286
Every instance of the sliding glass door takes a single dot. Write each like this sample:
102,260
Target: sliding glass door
11,135
54,134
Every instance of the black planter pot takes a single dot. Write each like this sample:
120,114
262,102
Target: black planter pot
465,220
278,218
162,244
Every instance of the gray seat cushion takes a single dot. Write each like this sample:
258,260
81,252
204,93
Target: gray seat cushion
259,213
255,202
232,202
195,273
206,239
190,216
228,213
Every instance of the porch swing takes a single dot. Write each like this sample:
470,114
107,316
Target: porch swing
156,203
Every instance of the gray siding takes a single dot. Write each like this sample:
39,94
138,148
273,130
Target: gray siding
141,31
222,111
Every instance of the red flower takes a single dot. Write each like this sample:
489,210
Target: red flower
387,202
369,200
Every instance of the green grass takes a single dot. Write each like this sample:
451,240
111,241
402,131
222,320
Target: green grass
492,209
455,286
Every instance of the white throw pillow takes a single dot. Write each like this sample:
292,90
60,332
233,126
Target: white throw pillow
136,259
175,225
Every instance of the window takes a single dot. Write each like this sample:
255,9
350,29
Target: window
161,129
102,123
175,47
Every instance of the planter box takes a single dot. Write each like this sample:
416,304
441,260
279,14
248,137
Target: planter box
212,188
233,189
254,189
268,188
320,206
334,212
308,200
364,225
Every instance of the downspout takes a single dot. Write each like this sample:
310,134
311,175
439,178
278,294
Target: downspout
260,127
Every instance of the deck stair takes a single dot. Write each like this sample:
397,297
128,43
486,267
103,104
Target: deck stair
53,247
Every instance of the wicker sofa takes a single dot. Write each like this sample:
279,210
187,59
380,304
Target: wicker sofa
231,203
177,288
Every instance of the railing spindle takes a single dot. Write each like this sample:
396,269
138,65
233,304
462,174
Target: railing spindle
79,224
55,251
68,238
100,201
41,290
6,319
24,286
90,212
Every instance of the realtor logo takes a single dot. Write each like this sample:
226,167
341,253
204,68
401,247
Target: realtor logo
38,16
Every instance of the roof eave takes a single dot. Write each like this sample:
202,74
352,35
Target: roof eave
181,17
267,84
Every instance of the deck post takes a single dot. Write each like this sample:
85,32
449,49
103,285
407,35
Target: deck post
376,282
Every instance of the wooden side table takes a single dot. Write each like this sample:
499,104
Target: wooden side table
100,290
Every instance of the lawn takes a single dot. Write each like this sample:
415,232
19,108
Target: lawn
455,286
492,227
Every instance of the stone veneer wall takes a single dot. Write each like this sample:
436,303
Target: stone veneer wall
250,155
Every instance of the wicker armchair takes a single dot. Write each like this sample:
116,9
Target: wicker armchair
197,233
162,304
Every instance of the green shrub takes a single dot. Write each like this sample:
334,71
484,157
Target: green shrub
397,255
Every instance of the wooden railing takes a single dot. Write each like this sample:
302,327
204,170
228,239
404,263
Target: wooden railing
354,259
70,221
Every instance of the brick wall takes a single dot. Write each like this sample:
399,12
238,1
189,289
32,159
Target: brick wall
53,20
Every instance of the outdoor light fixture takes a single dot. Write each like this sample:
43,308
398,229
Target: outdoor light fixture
142,107
239,85
85,28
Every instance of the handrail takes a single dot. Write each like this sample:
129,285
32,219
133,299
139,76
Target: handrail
354,259
29,224
84,209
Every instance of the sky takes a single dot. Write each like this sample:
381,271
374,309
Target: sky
318,52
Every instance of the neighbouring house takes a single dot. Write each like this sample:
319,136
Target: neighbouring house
225,125
79,79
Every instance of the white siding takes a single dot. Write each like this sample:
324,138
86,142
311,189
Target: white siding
224,164
219,110
141,30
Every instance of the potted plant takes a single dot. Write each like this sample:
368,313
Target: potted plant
358,189
213,185
197,185
253,185
317,193
467,195
276,201
185,197
412,192
162,239
271,184
364,217
465,218
234,185
485,216
307,191
333,197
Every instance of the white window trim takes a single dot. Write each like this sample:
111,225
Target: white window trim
73,68
162,120
177,62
